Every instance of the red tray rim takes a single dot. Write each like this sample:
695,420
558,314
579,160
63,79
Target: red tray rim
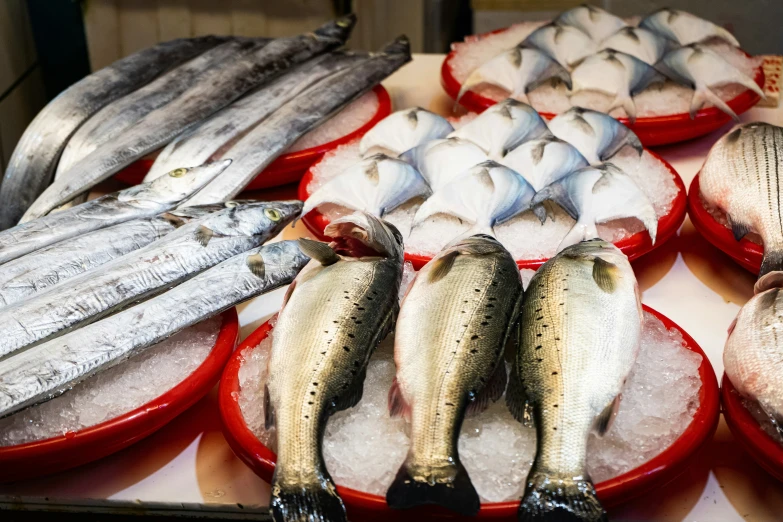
657,471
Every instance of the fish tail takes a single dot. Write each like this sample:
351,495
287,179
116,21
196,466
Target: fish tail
628,105
550,498
316,502
581,231
701,96
458,495
771,273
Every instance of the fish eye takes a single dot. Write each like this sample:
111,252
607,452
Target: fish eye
178,173
273,214
231,204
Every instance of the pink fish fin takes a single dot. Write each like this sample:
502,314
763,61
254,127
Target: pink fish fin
397,404
491,392
732,325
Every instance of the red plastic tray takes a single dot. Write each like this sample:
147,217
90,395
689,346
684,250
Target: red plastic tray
745,252
658,130
287,168
73,449
654,473
633,246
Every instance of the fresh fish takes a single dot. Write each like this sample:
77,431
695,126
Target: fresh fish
593,21
377,185
257,63
580,329
52,368
565,44
702,69
596,135
544,161
742,177
210,139
340,308
685,28
178,256
518,70
598,194
485,195
403,130
33,161
645,45
448,348
439,161
616,74
145,200
503,127
259,147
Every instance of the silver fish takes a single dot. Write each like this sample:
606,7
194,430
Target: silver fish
596,135
518,70
645,45
700,68
685,28
598,194
616,74
439,161
544,161
594,21
377,185
404,130
580,329
448,347
503,127
33,161
52,368
565,44
263,144
145,200
340,308
216,88
191,249
742,177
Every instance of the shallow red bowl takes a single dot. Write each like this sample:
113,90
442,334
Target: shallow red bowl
654,473
73,449
633,246
658,130
287,168
765,450
745,252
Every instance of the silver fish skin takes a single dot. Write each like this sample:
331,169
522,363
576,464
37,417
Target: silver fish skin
403,130
544,161
597,23
210,139
565,44
34,159
645,45
596,135
440,161
176,257
742,177
213,90
145,200
579,336
448,348
52,368
267,141
340,308
684,28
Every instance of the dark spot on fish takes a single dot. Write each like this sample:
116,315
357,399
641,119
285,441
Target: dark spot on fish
346,349
493,298
312,393
557,338
351,335
556,405
539,360
490,305
449,404
356,363
539,318
539,347
538,335
369,298
358,322
315,384
477,290
307,416
310,402
484,323
474,351
361,308
554,373
555,428
474,337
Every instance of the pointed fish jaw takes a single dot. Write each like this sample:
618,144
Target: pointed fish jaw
374,233
403,130
178,185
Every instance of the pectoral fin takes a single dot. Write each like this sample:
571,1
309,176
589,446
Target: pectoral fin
255,263
739,230
204,235
605,275
491,392
442,266
516,400
319,251
604,421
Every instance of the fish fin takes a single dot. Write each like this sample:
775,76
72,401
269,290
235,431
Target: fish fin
269,410
605,420
458,494
739,230
352,394
319,251
315,502
771,273
581,231
628,105
701,96
768,281
442,266
491,392
619,141
204,235
516,399
550,497
557,192
541,212
605,275
398,407
255,262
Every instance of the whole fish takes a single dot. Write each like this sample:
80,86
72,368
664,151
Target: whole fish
544,161
258,62
439,161
645,45
518,70
259,147
742,177
567,45
33,161
214,136
616,74
596,135
598,194
580,329
503,127
404,130
178,256
448,347
377,185
702,69
594,21
335,316
52,368
145,200
485,195
685,28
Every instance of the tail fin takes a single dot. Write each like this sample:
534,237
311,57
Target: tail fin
581,231
559,499
316,502
458,495
771,273
628,105
704,95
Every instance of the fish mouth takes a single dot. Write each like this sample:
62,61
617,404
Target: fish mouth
364,235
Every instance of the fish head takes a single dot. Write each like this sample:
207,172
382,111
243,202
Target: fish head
176,185
266,218
363,235
339,29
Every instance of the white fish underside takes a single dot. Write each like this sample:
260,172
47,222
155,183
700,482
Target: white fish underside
403,130
596,135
